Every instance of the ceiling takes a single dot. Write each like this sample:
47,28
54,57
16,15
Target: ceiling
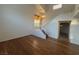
65,7
30,8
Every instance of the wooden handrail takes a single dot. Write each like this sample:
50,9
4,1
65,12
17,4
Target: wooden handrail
45,33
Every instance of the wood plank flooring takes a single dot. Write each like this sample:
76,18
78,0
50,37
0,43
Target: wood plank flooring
31,45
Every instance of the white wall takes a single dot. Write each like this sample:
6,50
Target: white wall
53,26
1,28
74,31
16,21
39,33
51,29
1,24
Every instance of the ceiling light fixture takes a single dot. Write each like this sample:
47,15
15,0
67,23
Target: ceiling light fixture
39,16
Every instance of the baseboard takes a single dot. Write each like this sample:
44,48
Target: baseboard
14,38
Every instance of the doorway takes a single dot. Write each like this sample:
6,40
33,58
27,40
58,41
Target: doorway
64,28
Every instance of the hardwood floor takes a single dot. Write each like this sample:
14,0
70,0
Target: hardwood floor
31,45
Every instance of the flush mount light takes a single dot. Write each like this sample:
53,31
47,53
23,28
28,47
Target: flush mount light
57,6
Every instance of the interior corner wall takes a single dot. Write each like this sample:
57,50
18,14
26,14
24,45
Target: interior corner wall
16,21
39,33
